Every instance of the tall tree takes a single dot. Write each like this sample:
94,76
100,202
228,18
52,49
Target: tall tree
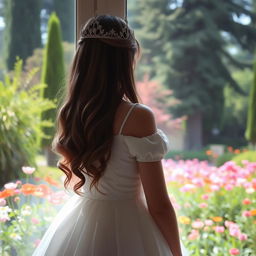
191,37
53,74
22,33
65,9
251,117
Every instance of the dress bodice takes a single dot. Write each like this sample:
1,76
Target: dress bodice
121,179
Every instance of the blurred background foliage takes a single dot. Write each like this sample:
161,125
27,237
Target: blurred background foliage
20,131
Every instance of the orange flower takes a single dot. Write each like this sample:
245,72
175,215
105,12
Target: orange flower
42,190
237,151
28,189
230,149
206,180
208,152
217,219
7,193
253,212
51,181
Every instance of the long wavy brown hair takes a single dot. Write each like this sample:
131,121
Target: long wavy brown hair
101,77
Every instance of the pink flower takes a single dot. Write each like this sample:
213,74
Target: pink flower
2,202
35,221
4,218
234,251
197,224
228,223
246,214
205,196
247,201
219,229
193,235
37,179
16,199
242,237
215,187
229,187
28,169
37,242
187,188
234,231
203,205
10,185
208,222
17,191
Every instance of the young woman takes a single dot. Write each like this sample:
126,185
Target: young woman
110,144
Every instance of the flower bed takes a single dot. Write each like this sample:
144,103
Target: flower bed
216,207
26,210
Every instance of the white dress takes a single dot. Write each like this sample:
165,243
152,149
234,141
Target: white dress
116,224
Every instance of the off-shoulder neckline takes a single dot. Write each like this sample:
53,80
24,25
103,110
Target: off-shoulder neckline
156,132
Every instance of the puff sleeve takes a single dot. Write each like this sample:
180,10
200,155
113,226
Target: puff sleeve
148,149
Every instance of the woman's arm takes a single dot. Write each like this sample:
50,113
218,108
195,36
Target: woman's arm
159,204
142,123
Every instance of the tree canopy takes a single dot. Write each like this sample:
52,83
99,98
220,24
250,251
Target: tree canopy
186,44
22,33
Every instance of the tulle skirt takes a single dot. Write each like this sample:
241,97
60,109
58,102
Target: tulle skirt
94,227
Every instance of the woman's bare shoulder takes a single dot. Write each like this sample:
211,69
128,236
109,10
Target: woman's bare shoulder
141,122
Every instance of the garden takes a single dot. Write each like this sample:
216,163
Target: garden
205,103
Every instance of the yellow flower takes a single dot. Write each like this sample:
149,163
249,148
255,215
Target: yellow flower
184,220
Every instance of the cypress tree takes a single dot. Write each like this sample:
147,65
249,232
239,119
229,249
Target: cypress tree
53,73
250,133
22,33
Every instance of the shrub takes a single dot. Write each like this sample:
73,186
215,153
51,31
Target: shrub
20,122
222,159
186,155
249,156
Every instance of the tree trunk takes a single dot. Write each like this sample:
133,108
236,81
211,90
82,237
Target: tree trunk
193,139
51,157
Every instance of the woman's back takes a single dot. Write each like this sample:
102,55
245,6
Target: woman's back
121,178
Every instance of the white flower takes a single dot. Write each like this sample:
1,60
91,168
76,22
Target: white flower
10,185
20,219
15,236
250,190
26,211
5,209
28,169
4,213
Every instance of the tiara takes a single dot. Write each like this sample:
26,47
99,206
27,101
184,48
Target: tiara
95,30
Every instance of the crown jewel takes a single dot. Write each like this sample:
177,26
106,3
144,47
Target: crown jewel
95,30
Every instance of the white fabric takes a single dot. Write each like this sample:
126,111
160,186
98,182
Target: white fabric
117,223
148,149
